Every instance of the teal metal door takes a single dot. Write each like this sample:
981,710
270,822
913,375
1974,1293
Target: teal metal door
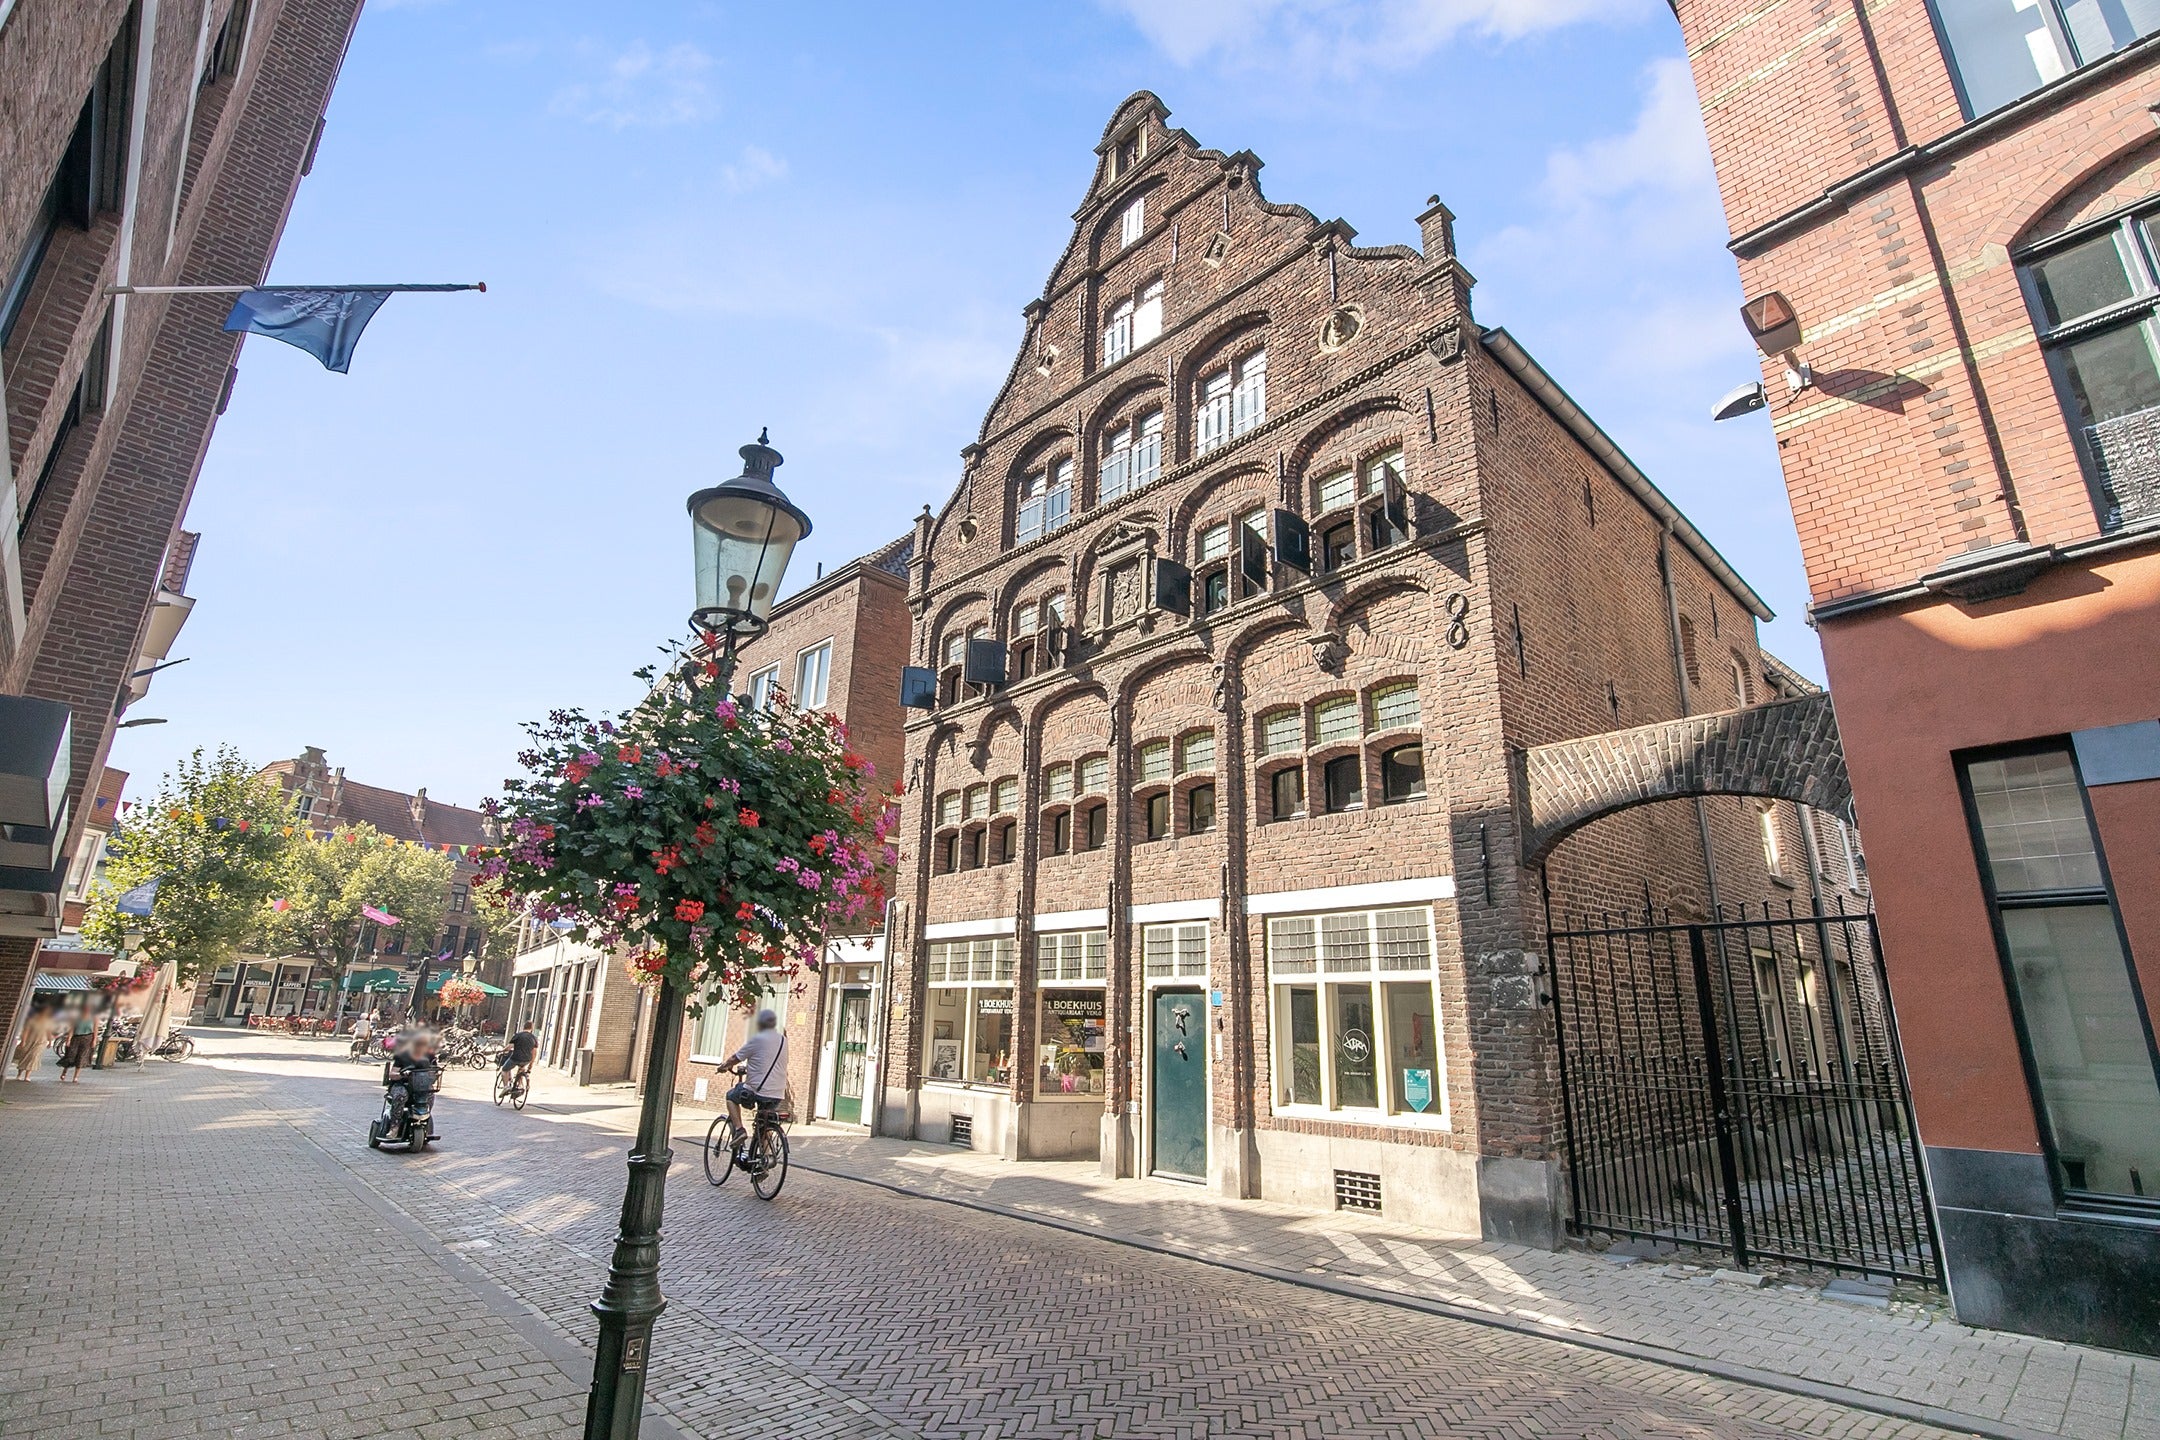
854,1047
1177,1089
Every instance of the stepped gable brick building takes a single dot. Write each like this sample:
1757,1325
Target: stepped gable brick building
836,644
1955,207
146,145
1267,561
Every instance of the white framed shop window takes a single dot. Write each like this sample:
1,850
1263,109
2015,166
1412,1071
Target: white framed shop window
968,1030
1072,1035
1355,1017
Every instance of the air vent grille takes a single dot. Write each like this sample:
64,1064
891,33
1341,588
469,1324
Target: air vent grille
1357,1190
963,1130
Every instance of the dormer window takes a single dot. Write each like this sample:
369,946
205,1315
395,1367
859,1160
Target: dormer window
1133,221
1045,502
1132,458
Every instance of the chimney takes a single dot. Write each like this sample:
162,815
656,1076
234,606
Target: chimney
419,808
1438,223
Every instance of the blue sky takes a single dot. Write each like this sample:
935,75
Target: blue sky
696,219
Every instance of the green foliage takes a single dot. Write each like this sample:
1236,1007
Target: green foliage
720,843
325,882
215,839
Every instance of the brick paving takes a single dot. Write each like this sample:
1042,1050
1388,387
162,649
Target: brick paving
1910,1351
231,1240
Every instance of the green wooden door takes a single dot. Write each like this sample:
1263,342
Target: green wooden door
1177,1112
854,1049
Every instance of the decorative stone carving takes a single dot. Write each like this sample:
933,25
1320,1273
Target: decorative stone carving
1447,346
1341,327
1123,592
1216,249
1328,651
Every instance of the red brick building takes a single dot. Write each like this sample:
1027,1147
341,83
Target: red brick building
1959,203
1268,562
143,144
837,644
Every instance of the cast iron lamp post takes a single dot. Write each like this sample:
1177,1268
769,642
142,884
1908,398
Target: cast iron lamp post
743,531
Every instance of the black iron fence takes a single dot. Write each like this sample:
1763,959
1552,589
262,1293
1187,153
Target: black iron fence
1735,1085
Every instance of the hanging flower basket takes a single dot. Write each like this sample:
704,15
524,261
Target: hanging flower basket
719,844
459,992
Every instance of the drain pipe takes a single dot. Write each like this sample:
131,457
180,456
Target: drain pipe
885,993
1687,706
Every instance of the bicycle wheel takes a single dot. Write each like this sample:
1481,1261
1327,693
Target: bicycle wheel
182,1049
768,1161
719,1151
502,1088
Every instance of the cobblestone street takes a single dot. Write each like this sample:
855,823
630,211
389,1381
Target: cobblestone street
209,1249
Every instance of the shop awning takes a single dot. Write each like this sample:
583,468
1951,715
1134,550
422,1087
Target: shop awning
372,980
435,983
64,982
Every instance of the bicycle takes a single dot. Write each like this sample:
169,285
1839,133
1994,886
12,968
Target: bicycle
763,1156
512,1085
175,1047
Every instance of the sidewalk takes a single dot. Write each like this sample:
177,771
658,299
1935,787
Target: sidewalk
1903,1351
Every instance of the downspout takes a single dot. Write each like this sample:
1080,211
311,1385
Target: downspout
885,993
1687,705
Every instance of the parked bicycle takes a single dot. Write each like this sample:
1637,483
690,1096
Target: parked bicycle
763,1155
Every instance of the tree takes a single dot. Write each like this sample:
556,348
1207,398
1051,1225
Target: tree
215,840
325,882
497,913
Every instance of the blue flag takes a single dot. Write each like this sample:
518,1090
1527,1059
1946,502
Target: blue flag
325,323
138,900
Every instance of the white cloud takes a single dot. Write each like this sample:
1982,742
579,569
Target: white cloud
640,86
1664,151
754,167
1347,36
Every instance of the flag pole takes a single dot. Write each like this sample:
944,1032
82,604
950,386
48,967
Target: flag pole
480,285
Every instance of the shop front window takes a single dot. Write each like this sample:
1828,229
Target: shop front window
969,1030
2089,1050
1356,1013
1072,1043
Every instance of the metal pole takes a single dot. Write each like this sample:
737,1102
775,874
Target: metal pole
1720,1106
631,1300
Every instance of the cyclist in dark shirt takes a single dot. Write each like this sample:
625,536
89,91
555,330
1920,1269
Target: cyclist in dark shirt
518,1054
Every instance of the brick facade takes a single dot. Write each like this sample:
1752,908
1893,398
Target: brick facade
200,115
1978,503
1538,589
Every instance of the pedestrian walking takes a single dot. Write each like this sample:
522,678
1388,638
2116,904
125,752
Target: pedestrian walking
30,1045
82,1036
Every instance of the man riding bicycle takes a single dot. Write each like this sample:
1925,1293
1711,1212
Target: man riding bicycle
762,1062
517,1055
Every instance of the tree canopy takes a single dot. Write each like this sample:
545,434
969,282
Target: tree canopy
215,839
324,883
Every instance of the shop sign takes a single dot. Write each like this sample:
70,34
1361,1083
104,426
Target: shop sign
994,1005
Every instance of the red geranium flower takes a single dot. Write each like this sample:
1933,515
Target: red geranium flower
704,833
629,754
748,818
690,910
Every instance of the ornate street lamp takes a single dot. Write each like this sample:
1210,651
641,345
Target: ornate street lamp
744,531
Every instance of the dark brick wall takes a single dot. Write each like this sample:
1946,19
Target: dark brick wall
99,537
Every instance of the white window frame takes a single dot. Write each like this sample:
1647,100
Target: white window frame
1211,413
989,965
1147,315
762,685
1337,491
1215,542
1176,953
1070,960
1117,336
1248,399
1287,969
1133,223
699,1053
813,673
1045,502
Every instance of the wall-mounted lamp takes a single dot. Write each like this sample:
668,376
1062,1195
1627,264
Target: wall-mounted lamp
1775,327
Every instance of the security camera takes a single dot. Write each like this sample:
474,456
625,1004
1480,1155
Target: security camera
1743,401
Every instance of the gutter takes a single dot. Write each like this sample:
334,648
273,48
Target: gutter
1563,408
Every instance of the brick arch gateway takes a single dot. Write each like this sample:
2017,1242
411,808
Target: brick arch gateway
1732,1083
1785,750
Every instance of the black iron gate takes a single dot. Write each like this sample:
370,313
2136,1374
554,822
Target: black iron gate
1735,1085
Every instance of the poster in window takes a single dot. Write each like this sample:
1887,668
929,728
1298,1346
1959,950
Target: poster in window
945,1060
1417,1090
1075,1042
